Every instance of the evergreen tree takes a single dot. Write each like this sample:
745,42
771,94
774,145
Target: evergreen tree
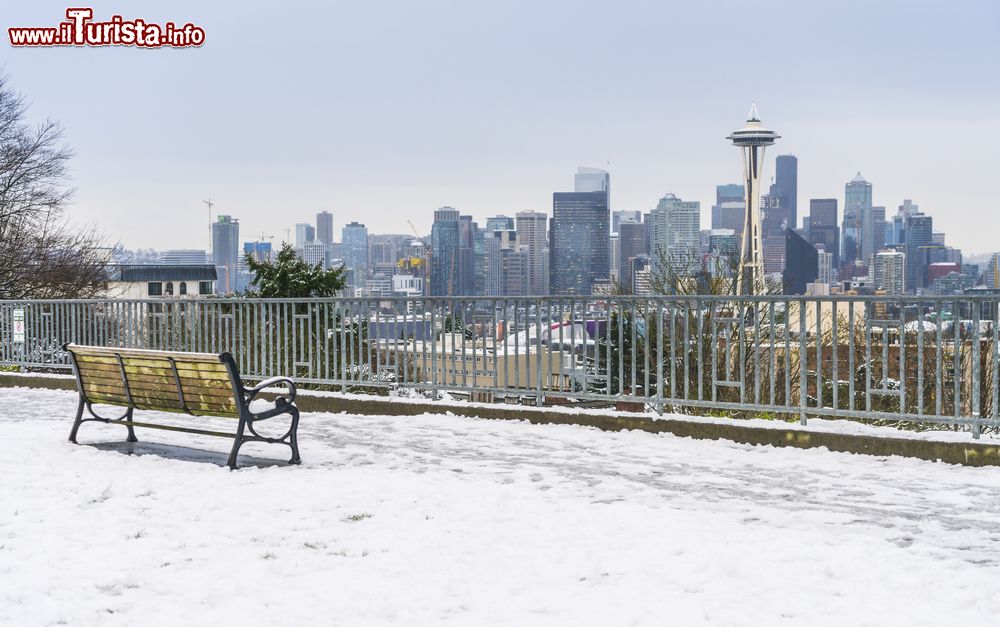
289,276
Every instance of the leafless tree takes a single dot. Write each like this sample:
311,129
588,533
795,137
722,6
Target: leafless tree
41,254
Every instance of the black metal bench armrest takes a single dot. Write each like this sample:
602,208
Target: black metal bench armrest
281,402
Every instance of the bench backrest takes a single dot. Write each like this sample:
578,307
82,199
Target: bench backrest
202,384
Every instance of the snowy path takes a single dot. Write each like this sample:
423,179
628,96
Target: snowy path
446,520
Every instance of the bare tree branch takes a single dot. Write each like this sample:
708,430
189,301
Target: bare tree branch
41,254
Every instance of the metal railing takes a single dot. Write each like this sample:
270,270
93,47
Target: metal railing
910,359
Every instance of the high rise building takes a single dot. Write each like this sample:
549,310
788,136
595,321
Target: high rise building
774,218
872,231
324,227
614,251
578,241
499,223
991,275
824,273
730,192
824,231
801,263
304,234
478,259
729,209
532,236
617,217
354,237
919,237
908,208
491,263
184,257
752,140
258,251
452,254
513,267
786,186
675,237
226,253
631,244
774,255
592,180
888,271
857,199
723,251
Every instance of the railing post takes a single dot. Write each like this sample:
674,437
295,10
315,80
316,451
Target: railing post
803,358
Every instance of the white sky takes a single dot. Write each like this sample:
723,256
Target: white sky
383,111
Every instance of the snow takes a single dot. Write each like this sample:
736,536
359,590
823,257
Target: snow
434,519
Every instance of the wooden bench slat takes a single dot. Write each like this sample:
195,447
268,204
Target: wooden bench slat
193,369
108,376
190,391
155,363
103,351
163,370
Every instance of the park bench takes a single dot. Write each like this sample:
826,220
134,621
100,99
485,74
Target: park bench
198,384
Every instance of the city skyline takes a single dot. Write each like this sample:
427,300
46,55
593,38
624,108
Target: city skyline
494,130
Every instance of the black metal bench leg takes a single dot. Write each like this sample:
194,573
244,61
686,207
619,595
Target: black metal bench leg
294,437
131,431
237,444
78,421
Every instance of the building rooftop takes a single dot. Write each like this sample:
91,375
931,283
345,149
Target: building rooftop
162,272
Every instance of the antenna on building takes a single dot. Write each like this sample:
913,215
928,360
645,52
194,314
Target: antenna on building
210,204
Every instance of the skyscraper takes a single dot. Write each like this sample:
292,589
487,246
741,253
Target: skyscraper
723,250
452,254
592,180
617,217
888,269
578,241
824,231
532,236
729,210
183,257
752,140
801,263
919,237
631,244
304,234
872,231
857,199
226,253
324,227
774,218
354,237
730,192
499,223
675,237
259,251
786,186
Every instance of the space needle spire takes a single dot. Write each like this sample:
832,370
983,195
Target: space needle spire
751,140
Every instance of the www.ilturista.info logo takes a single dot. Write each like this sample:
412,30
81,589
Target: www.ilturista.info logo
79,29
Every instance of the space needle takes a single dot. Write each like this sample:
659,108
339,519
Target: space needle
751,140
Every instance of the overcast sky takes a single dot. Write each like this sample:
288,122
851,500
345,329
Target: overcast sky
383,111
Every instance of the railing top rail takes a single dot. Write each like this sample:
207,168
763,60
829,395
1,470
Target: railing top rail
893,299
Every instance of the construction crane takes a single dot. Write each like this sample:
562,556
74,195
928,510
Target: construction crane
210,204
407,263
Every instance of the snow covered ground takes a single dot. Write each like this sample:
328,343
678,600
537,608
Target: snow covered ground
434,520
